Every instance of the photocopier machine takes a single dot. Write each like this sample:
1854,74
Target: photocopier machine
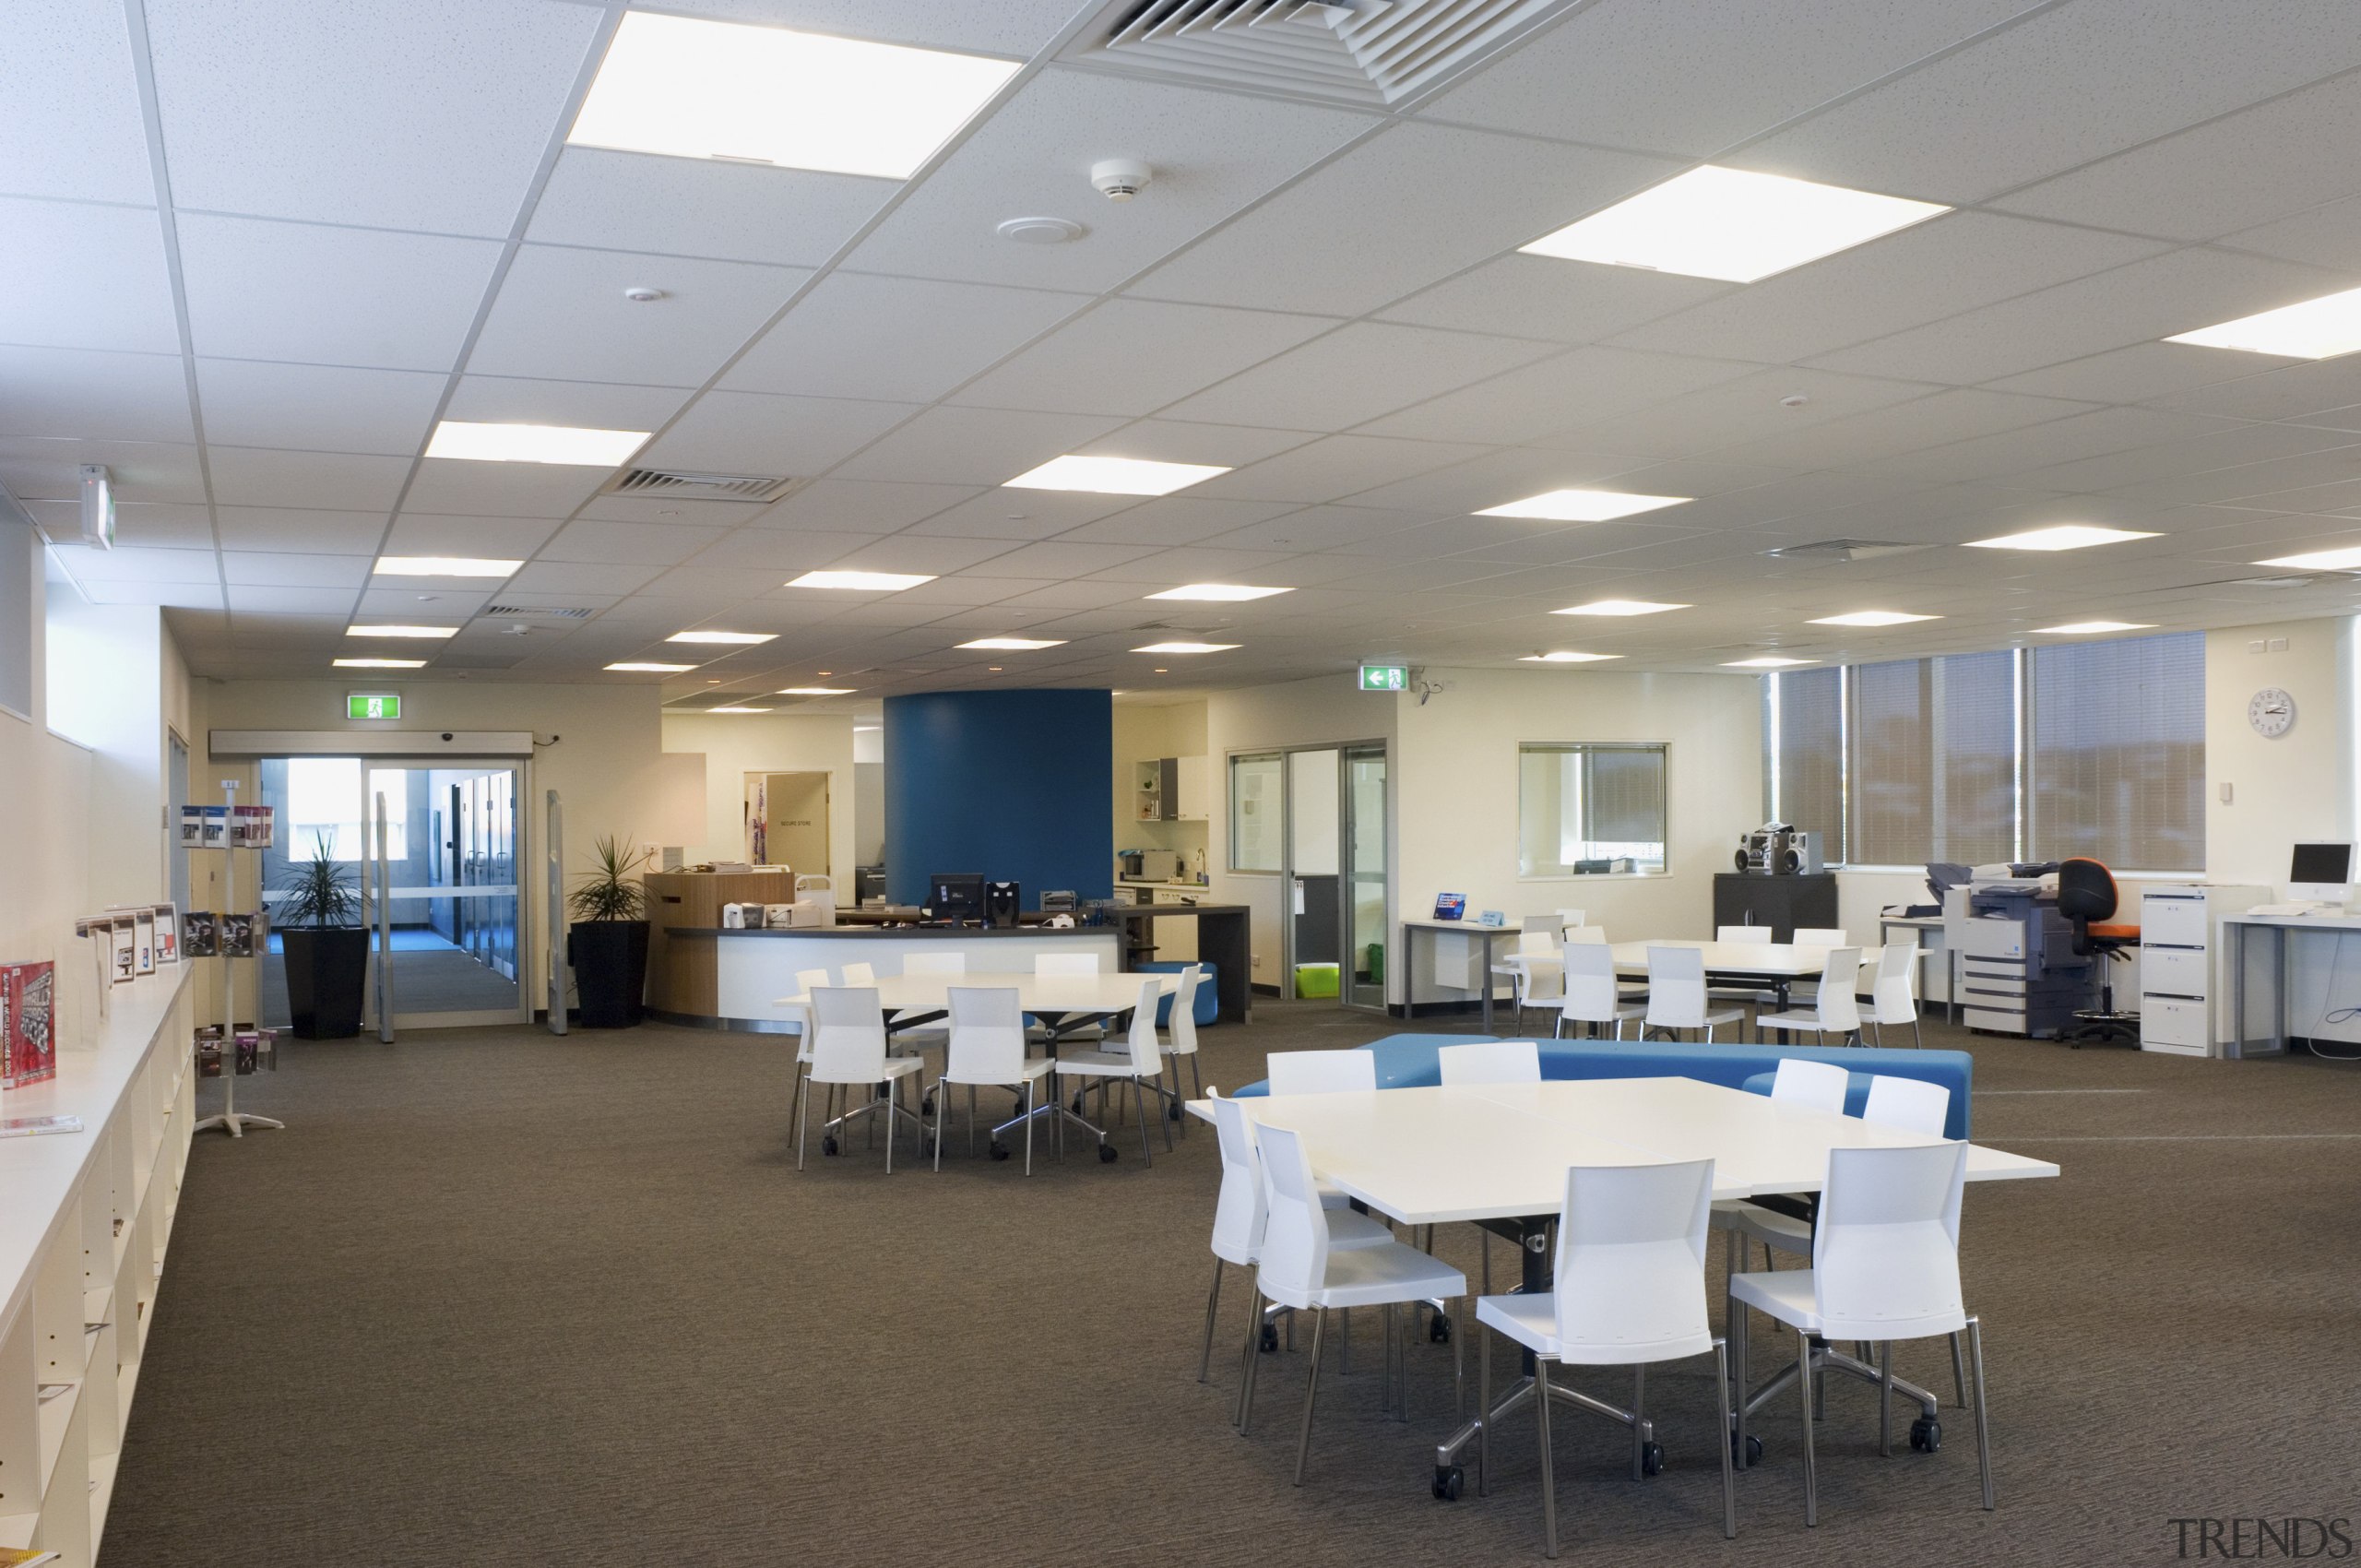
2017,971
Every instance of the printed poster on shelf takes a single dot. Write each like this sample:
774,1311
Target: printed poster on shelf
28,1021
200,935
123,948
168,934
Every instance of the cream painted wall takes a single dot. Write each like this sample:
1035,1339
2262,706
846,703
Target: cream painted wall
2298,787
736,744
1144,732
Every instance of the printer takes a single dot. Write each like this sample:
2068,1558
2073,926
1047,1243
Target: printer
2018,971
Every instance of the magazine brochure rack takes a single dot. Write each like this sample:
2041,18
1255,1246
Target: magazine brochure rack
231,1120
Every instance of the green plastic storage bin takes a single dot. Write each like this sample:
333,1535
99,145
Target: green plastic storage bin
1315,979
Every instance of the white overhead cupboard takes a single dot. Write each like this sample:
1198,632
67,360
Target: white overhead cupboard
83,1226
1172,788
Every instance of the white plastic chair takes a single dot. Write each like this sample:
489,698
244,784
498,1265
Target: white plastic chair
858,974
1821,936
1240,1212
1894,992
1759,934
1835,1009
1065,963
1180,1041
1814,1086
1491,1062
986,1045
1912,1105
806,982
1885,1266
1533,984
1592,995
1321,1072
848,1048
1677,992
1141,1060
1300,1267
953,963
1630,1290
1589,935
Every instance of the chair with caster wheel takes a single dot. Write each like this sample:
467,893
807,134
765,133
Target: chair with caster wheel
1836,1010
1242,1215
1141,1060
1677,998
806,982
1589,992
1181,1029
2087,896
1893,997
1630,1292
1300,1267
848,1048
986,1046
912,1040
1884,1267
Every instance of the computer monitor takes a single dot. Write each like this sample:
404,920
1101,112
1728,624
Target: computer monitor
956,894
2320,872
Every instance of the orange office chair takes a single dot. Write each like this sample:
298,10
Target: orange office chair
2086,897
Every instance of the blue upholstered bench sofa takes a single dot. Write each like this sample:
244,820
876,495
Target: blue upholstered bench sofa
1408,1061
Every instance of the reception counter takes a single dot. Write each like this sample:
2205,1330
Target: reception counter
731,979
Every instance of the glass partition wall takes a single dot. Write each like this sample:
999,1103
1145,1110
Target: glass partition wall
1312,818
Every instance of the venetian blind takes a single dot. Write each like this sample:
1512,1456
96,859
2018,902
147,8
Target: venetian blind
2117,764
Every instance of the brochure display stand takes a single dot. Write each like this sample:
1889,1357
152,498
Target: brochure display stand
231,1120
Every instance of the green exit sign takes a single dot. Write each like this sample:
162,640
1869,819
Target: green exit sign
373,705
1385,678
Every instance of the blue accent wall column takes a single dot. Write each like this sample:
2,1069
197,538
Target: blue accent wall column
1017,785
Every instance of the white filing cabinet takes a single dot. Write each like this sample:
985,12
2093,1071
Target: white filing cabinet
2181,963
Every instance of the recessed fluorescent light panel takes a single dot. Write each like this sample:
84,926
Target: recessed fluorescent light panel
1565,657
1871,618
2083,628
1219,593
380,663
1016,645
687,88
1619,607
737,710
2347,560
401,631
642,667
1114,476
1766,661
742,638
444,566
1732,224
533,443
814,692
870,582
2316,329
1582,506
2065,536
1186,648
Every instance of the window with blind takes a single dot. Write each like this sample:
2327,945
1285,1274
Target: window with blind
1894,763
1933,772
2116,764
1590,809
1809,719
1975,804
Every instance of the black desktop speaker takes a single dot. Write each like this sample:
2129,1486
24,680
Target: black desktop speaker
1001,901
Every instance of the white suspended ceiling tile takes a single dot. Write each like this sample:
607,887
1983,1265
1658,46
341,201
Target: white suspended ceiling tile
2328,236
1021,513
1018,28
562,314
1355,374
1169,568
504,399
1733,411
903,552
637,201
157,525
318,407
46,467
256,568
1213,153
626,545
1407,208
778,553
1495,478
2317,392
761,433
69,122
2202,446
170,595
709,588
460,487
85,278
1089,594
2263,163
252,476
307,531
1533,296
266,290
439,606
894,339
127,564
276,601
2132,374
1057,558
2178,292
1187,441
1316,529
1134,356
1334,466
980,446
2075,83
562,578
1924,273
2036,454
669,508
1554,395
1171,521
841,505
84,394
1693,77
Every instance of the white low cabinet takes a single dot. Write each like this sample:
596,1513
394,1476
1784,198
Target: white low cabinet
2181,975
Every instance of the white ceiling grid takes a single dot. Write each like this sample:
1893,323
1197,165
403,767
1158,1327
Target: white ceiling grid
373,223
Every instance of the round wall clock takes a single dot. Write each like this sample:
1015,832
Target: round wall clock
2271,712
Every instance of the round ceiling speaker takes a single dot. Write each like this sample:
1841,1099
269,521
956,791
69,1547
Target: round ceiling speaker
1040,231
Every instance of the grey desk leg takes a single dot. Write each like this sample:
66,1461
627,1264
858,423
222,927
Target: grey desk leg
2281,945
1485,962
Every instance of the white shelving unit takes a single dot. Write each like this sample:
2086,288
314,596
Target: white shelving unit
83,1232
2181,963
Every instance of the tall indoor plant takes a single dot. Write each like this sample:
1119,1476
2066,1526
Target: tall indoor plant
607,944
326,946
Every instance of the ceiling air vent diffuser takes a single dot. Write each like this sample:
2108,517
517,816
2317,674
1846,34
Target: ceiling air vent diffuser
683,485
1370,53
1834,550
538,612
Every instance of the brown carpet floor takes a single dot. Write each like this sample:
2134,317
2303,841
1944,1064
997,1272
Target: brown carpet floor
497,1298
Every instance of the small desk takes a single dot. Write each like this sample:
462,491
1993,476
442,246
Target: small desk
1925,926
2236,930
1485,937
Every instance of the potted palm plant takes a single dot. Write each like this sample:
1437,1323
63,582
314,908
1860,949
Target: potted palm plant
326,946
607,944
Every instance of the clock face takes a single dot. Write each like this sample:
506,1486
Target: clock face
2271,712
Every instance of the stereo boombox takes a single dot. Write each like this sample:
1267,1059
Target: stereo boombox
1777,850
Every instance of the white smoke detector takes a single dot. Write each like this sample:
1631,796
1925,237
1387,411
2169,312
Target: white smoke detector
1039,231
642,295
1120,179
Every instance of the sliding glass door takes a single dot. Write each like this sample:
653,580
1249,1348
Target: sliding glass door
1364,883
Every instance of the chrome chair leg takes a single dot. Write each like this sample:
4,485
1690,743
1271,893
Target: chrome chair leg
1639,1422
1958,1374
802,1130
1885,1398
1213,1305
1803,1390
1483,1406
1541,1397
1311,1392
1729,1465
1736,1332
1983,1432
1250,1360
